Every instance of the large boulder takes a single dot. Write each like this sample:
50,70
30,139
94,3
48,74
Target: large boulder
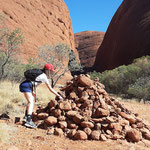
41,21
87,44
127,36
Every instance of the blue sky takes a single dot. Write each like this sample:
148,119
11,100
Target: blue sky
91,15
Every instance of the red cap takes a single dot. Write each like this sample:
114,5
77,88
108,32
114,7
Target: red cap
49,67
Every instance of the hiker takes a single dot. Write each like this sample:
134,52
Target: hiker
27,88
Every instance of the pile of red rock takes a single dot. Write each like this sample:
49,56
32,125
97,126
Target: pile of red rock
88,112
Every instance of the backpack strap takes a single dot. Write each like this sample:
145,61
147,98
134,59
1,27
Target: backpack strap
34,89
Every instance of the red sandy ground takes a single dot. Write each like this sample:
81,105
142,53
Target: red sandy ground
21,138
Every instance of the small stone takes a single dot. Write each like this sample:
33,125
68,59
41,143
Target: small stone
58,131
80,135
95,135
51,120
134,135
87,124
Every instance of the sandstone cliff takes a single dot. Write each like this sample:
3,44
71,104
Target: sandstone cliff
41,21
87,44
127,36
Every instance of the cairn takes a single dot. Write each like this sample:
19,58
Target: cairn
89,113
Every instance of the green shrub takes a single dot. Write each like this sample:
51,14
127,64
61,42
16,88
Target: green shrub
73,65
94,74
131,80
14,70
117,80
140,89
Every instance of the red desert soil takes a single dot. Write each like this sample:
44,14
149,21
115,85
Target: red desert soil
22,138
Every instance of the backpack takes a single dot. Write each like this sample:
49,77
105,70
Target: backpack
31,74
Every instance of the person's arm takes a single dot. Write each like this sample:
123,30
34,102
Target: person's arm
53,91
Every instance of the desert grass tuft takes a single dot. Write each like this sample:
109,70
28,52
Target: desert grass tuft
10,97
44,95
13,101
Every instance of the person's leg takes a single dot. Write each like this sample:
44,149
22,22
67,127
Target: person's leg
30,104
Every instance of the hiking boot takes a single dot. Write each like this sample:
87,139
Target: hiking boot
30,124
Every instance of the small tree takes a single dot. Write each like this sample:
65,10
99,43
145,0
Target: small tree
9,45
74,67
56,55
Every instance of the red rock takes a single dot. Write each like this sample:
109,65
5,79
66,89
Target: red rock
71,113
78,118
62,124
103,104
58,132
80,135
71,133
42,115
131,119
65,105
116,127
87,44
87,131
146,136
87,124
95,135
134,135
126,31
73,95
96,104
102,112
51,23
52,103
88,104
56,112
50,131
103,137
90,92
98,126
71,125
51,120
124,122
61,118
85,81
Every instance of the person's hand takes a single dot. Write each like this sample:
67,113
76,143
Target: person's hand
60,97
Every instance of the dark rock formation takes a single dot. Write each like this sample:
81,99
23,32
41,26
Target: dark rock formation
87,44
127,36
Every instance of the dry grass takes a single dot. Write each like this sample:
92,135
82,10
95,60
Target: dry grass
140,108
44,95
9,97
12,101
136,107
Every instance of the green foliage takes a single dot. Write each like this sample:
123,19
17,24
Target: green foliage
73,65
118,80
132,80
10,42
140,89
56,55
95,74
31,64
